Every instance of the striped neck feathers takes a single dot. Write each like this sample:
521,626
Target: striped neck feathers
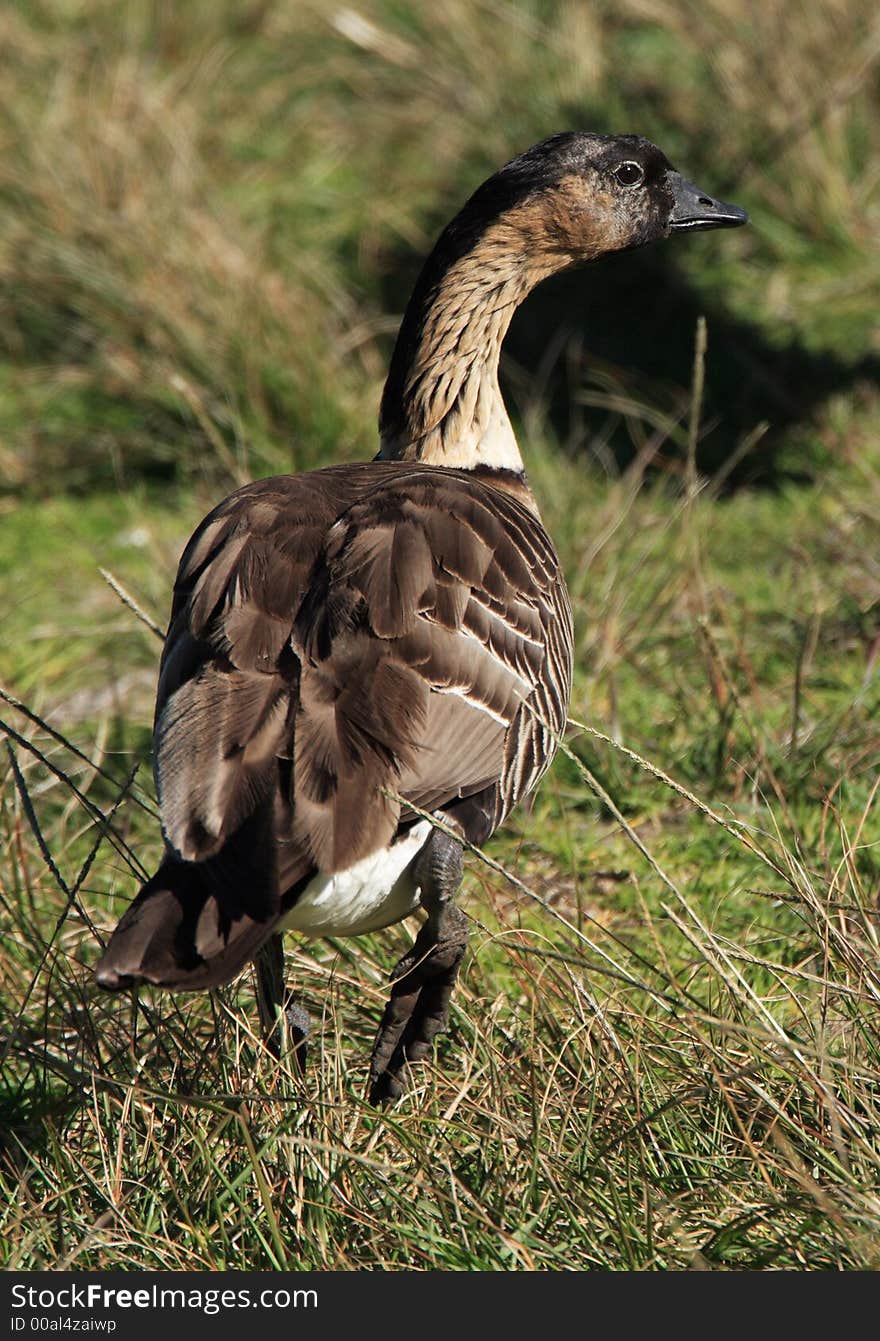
442,404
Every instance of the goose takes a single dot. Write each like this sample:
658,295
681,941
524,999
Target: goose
368,665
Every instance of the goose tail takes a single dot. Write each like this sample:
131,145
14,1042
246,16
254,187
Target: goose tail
195,924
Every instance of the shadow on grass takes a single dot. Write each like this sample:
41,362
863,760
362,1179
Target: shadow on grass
31,1106
636,315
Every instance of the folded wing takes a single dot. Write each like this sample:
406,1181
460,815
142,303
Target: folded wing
344,645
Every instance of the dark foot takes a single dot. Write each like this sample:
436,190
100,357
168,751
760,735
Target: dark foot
276,1004
424,978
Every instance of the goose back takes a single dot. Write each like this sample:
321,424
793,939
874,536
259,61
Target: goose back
352,638
347,647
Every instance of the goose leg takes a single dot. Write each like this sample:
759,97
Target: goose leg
272,999
424,978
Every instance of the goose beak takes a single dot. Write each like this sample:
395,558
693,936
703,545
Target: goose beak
693,209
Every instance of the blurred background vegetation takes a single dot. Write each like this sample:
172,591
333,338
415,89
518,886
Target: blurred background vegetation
211,215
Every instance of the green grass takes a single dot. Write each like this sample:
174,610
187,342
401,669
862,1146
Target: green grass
664,1048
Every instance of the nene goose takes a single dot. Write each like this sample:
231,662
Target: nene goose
353,648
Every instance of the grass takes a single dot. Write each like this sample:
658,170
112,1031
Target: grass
664,1050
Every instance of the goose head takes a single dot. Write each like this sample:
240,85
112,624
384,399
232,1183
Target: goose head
577,196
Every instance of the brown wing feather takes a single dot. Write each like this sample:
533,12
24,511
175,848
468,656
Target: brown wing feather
228,687
456,586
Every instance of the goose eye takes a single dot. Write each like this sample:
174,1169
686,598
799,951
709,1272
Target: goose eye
629,174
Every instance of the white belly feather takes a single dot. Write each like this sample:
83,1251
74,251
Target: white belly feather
375,892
